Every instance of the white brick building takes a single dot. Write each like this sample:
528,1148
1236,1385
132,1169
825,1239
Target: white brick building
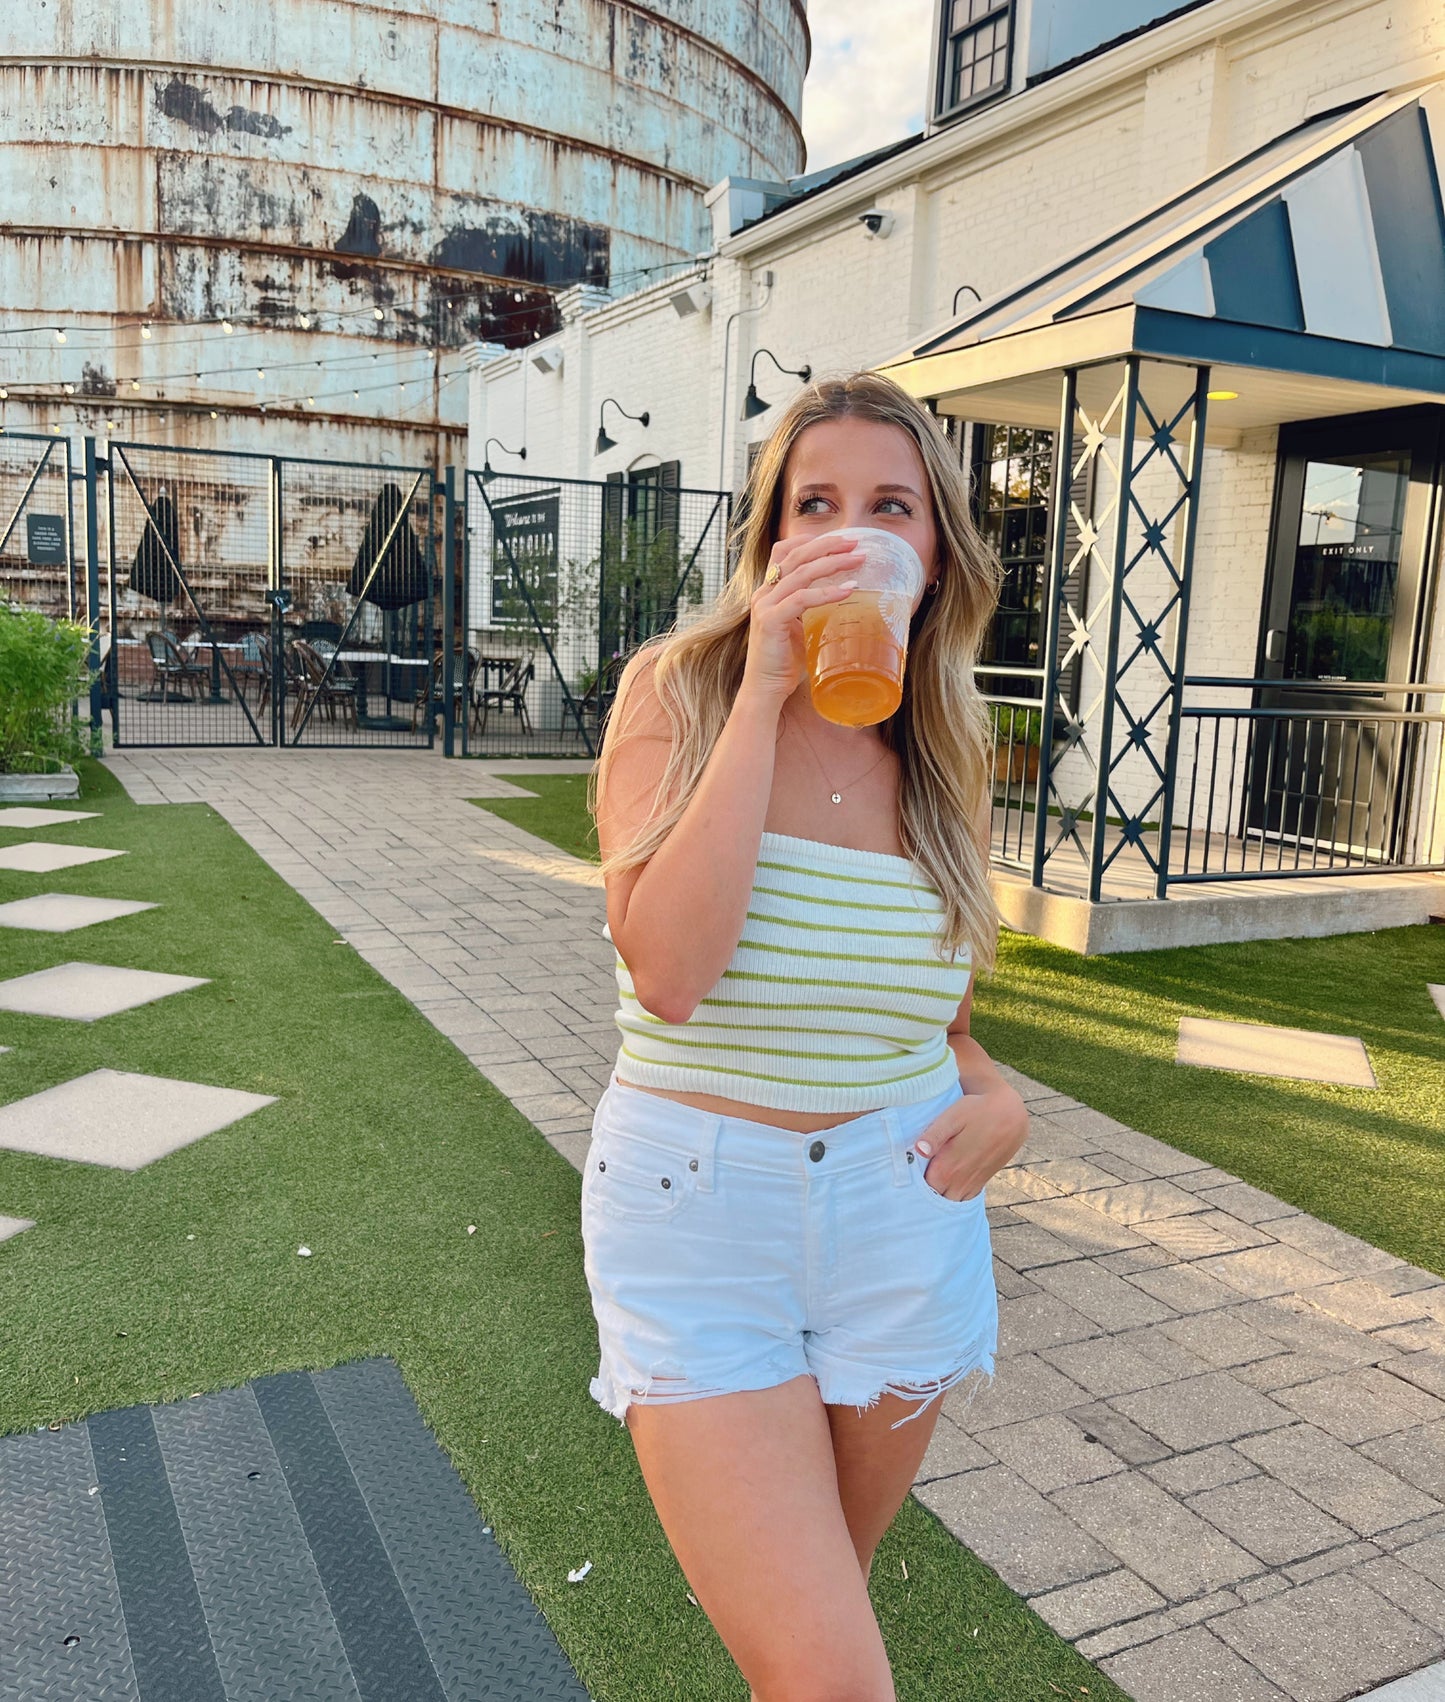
1120,125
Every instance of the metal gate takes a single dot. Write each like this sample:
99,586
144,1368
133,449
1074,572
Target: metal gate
560,580
259,600
38,568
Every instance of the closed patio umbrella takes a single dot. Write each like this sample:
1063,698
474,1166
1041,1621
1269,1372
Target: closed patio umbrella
153,572
402,577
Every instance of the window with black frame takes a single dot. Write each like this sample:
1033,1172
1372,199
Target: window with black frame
974,52
1012,481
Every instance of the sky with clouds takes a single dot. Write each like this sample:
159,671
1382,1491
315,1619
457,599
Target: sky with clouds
866,83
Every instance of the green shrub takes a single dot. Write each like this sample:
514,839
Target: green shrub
1025,726
43,669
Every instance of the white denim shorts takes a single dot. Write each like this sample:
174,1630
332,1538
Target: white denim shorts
724,1254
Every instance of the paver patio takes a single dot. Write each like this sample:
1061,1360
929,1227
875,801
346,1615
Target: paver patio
1214,1453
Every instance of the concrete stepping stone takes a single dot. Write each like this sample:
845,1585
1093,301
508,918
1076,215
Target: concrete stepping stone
13,1225
1260,1049
37,857
1427,1685
63,912
301,1536
1438,995
22,815
85,992
120,1119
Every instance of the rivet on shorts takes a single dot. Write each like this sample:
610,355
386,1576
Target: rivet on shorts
601,1164
667,1181
816,1151
910,1157
692,1164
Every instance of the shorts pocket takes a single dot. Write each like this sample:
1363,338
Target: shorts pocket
636,1180
942,1201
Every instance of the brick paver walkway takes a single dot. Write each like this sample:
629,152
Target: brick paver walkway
1214,1454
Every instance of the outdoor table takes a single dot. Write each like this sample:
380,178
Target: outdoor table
387,723
191,646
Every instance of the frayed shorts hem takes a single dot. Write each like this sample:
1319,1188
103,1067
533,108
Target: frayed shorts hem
838,1385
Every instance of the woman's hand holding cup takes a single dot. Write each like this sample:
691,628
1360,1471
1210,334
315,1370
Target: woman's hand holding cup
777,656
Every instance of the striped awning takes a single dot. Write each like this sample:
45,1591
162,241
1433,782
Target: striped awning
1320,256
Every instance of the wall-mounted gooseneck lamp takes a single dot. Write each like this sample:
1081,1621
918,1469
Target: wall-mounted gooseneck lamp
959,291
753,404
489,472
604,442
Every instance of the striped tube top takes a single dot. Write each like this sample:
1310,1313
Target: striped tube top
836,998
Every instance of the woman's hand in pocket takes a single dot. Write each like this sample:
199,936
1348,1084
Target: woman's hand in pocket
976,1136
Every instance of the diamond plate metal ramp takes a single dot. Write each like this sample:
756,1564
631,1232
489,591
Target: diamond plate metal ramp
301,1539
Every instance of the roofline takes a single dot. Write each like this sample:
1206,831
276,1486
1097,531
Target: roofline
1038,101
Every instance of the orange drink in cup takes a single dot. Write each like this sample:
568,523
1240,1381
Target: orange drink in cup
857,649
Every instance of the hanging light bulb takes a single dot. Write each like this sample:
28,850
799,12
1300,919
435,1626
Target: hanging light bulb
145,332
4,394
227,326
135,384
516,295
355,392
304,321
70,390
59,335
213,414
310,401
260,372
376,313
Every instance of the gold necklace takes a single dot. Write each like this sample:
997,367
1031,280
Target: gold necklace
837,796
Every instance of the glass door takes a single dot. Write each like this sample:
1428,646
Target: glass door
1341,617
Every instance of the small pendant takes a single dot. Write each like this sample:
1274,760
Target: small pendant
837,797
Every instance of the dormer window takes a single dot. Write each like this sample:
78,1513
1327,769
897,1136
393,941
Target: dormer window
973,60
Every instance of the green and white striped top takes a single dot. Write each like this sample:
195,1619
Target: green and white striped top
836,998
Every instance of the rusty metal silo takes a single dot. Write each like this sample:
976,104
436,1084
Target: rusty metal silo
356,190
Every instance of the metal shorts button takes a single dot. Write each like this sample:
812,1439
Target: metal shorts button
816,1151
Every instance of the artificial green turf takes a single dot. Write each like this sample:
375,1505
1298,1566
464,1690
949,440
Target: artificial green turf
384,1145
1104,1030
557,812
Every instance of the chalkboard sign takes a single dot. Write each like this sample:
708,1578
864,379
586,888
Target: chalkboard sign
45,539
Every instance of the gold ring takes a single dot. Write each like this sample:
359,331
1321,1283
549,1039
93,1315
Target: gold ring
773,575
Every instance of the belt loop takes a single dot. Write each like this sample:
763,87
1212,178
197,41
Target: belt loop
707,1152
898,1146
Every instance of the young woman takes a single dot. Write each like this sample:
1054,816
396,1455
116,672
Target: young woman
782,1209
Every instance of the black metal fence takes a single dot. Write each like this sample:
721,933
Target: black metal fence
1263,788
560,580
38,558
255,599
1287,789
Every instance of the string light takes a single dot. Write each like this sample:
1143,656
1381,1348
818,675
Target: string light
227,326
304,320
69,389
214,415
145,332
59,335
376,313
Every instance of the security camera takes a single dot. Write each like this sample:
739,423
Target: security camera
876,222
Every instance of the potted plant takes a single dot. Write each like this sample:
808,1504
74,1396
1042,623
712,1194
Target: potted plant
44,669
1016,736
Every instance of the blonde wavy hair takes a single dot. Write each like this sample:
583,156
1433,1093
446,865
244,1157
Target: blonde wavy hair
940,729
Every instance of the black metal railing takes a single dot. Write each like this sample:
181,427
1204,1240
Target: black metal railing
1283,789
1012,695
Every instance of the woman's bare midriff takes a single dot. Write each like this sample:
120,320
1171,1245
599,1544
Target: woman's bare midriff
800,1122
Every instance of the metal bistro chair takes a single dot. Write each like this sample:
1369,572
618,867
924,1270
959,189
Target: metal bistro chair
431,697
594,703
511,693
312,686
172,666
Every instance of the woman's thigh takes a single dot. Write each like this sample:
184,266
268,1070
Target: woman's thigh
876,1464
746,1488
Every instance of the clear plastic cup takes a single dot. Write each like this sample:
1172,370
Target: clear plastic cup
857,649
